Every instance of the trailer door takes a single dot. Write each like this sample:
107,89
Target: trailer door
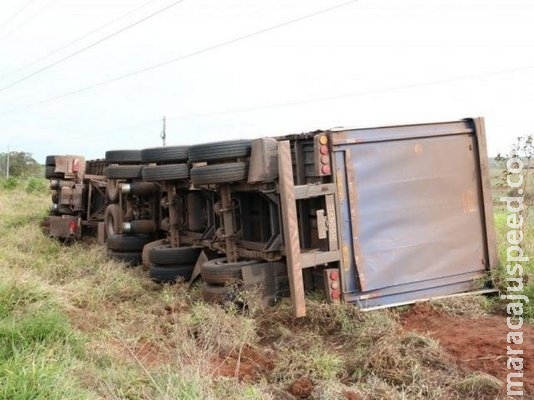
414,214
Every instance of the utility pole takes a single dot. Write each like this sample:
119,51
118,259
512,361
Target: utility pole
163,134
7,163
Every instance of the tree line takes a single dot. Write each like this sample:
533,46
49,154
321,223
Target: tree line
21,165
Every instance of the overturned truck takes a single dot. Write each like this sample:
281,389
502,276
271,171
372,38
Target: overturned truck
375,217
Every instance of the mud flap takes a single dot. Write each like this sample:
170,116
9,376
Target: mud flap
269,279
202,258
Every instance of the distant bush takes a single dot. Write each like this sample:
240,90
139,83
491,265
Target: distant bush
35,185
10,183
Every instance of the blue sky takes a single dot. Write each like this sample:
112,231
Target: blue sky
367,63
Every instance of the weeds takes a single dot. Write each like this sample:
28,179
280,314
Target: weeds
75,325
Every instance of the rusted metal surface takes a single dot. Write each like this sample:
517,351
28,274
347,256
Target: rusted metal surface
332,222
415,199
228,223
173,215
290,229
485,188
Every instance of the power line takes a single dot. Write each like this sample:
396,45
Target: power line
78,39
91,45
16,14
356,94
315,99
183,57
24,22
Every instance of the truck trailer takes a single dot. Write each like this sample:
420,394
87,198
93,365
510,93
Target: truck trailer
376,217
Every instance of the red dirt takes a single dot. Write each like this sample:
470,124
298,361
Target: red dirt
251,365
476,344
301,388
351,395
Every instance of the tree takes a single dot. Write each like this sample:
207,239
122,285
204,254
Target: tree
21,165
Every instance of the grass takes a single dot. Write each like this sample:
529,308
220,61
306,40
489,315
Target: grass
75,325
500,276
38,348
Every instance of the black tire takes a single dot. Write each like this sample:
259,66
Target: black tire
131,259
142,226
219,173
55,197
50,161
169,172
127,243
166,255
220,272
217,294
170,154
51,174
170,273
149,246
123,156
112,190
64,210
227,150
124,171
113,219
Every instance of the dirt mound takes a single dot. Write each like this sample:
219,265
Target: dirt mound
301,388
250,365
476,344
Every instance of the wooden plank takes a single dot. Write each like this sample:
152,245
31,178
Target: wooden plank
291,230
308,191
314,258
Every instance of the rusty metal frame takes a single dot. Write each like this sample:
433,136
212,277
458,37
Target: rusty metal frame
291,228
483,165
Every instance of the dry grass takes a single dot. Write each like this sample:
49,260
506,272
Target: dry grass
139,340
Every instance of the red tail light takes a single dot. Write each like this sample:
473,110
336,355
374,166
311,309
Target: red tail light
332,283
73,227
321,155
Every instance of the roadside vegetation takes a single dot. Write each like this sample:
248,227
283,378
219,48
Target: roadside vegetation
75,325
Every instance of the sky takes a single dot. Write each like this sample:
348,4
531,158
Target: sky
86,76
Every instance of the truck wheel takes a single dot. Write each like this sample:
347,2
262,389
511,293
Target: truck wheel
166,255
227,150
170,273
50,161
127,243
169,154
220,272
149,246
217,294
169,172
140,226
131,259
64,210
112,190
51,174
113,219
55,197
124,171
219,173
123,156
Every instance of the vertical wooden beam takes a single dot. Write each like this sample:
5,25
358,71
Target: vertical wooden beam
291,229
173,215
228,223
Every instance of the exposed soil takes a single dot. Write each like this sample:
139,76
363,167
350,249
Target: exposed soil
301,388
250,365
476,344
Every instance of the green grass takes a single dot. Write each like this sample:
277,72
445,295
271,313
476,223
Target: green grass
75,325
527,244
38,347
